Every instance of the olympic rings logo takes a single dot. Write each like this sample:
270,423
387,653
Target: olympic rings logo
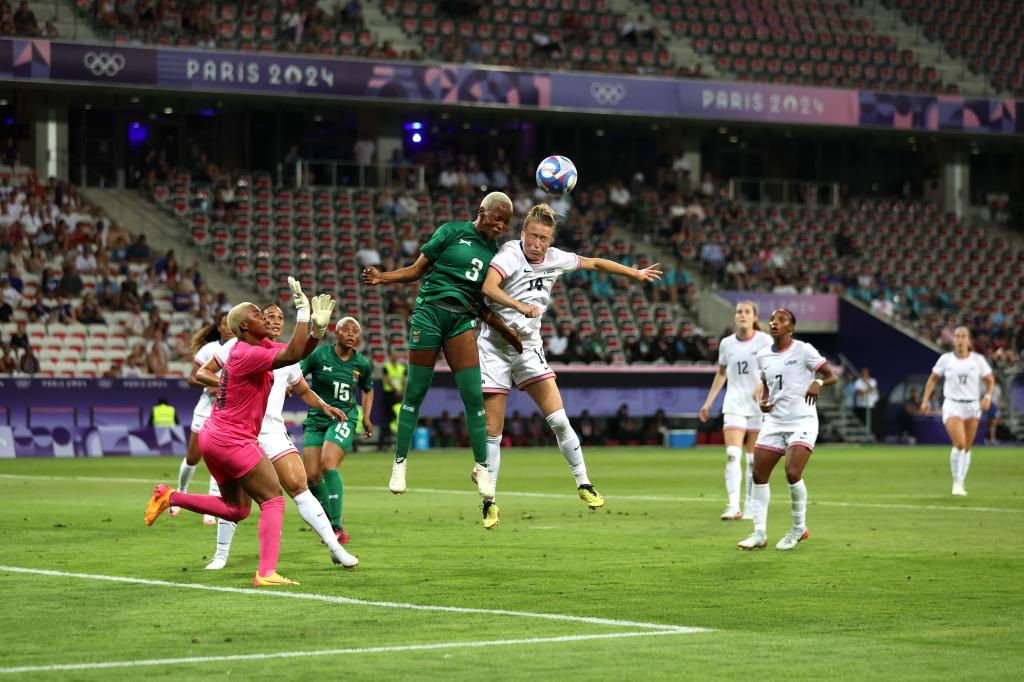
103,63
607,93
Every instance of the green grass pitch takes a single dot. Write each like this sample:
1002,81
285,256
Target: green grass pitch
898,580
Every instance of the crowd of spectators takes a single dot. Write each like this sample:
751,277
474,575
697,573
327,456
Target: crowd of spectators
22,22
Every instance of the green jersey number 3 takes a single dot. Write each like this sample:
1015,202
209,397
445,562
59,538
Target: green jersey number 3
341,391
474,274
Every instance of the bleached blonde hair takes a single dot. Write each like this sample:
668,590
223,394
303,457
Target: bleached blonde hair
496,199
353,320
237,315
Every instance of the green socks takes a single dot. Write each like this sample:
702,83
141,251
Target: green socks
468,381
319,491
332,481
409,416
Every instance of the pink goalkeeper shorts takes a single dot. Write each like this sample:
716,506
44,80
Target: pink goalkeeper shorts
228,461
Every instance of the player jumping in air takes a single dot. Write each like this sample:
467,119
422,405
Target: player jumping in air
520,277
228,439
453,264
336,371
962,369
278,446
737,364
204,343
787,396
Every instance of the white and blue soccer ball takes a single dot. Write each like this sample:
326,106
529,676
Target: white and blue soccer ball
556,175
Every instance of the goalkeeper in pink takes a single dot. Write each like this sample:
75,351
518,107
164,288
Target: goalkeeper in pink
228,440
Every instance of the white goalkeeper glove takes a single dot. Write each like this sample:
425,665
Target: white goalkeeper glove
300,300
320,318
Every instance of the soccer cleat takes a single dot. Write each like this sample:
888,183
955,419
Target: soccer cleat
483,481
397,482
590,496
209,520
491,512
732,514
754,541
344,558
792,539
160,501
272,580
217,563
958,490
174,511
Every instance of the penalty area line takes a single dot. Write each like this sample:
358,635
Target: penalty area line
330,652
350,601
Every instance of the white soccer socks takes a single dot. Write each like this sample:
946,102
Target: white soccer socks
494,458
225,534
748,478
313,514
185,473
798,502
733,475
569,444
959,463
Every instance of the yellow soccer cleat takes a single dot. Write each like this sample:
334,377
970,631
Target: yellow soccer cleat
590,496
491,512
157,504
272,580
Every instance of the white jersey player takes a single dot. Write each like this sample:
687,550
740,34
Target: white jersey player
277,445
963,371
518,286
204,343
737,370
788,393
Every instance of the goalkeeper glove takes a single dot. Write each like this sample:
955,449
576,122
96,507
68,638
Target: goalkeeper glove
323,307
300,300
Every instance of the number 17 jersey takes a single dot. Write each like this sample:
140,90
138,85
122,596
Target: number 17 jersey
739,358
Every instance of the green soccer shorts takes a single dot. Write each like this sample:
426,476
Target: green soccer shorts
431,326
318,429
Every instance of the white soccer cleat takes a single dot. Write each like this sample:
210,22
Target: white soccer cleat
483,481
397,482
340,556
217,563
732,514
791,539
754,541
209,520
958,490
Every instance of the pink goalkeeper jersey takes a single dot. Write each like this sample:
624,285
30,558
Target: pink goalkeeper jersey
245,383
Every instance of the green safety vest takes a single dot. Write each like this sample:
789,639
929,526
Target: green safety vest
163,415
394,375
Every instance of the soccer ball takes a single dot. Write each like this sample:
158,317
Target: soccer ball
556,175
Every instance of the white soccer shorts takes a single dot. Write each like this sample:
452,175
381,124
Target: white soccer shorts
199,417
780,437
962,410
740,422
276,443
501,367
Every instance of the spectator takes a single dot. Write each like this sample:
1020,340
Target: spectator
25,21
135,366
911,408
865,395
19,339
368,255
29,363
446,430
85,261
625,428
138,252
736,273
88,312
655,428
71,284
557,345
158,354
620,198
587,429
640,349
8,362
712,257
352,14
364,149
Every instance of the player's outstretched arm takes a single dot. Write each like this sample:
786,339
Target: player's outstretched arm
302,390
298,345
648,274
372,276
492,290
716,387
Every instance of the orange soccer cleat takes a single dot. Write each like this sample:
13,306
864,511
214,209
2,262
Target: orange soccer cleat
272,580
160,501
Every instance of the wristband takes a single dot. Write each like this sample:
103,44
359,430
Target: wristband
302,315
820,382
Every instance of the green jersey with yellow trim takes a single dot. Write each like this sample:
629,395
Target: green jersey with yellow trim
335,380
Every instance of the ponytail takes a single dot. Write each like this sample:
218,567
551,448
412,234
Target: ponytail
205,335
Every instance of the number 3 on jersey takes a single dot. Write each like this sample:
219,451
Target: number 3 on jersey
474,274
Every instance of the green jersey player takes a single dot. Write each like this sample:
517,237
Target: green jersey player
453,264
335,373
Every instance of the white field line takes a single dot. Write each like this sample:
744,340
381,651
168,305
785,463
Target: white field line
561,496
326,652
331,599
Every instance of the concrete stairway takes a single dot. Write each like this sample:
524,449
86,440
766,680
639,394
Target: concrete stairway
62,13
929,53
384,29
164,232
680,47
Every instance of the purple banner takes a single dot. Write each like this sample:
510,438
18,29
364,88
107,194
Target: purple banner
284,74
820,308
98,441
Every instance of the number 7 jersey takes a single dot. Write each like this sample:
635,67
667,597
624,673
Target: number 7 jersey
788,374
